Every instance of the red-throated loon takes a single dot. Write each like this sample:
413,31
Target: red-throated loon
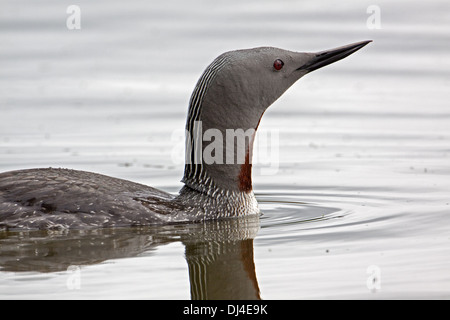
232,94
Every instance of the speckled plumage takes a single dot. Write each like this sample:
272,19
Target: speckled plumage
65,199
61,198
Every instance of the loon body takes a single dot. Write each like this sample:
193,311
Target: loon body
232,94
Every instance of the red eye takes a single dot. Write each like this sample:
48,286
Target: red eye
278,64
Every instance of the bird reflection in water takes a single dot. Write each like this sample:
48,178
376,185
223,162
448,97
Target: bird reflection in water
219,253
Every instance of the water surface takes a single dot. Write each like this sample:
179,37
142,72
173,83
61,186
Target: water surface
355,193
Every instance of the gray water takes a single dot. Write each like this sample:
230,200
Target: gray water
355,192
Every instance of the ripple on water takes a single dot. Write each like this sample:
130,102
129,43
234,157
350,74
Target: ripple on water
285,215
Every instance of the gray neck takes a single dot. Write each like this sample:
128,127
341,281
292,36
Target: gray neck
220,133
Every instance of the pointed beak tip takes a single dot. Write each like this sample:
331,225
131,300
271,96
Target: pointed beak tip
327,57
367,42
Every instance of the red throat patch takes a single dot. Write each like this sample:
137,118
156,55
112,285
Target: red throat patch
245,175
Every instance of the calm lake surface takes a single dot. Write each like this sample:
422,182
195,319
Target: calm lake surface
354,186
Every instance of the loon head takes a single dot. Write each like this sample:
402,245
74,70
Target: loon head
226,107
